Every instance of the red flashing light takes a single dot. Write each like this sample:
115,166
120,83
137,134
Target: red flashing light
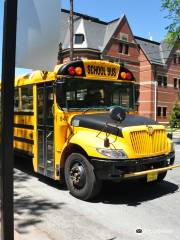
129,76
71,70
75,71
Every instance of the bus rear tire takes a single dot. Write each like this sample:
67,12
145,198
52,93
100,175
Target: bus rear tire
80,178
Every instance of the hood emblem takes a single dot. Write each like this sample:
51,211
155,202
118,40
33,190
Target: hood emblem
150,130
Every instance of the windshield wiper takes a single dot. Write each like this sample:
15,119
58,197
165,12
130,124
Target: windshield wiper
93,108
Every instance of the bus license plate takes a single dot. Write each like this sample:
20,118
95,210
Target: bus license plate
152,177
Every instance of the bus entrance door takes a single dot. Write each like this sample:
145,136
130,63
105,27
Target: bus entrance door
45,127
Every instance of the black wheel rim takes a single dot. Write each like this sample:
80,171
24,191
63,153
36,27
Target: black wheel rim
78,175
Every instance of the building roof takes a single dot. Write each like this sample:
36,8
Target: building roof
166,50
87,17
94,33
157,53
97,33
110,29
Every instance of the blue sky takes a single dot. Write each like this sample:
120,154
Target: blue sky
145,17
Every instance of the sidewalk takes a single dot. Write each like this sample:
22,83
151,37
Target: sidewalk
176,137
33,235
17,236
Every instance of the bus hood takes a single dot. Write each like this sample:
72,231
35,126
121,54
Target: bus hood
104,123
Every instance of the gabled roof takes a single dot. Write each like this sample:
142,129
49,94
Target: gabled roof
65,37
157,53
87,17
110,29
94,33
152,50
97,33
166,49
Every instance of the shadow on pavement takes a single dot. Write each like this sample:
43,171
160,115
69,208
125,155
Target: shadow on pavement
29,209
25,165
133,193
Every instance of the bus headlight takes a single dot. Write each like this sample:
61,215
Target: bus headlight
112,153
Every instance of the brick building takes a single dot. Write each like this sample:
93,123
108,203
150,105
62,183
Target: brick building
155,65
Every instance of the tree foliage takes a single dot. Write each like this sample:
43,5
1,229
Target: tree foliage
175,116
173,9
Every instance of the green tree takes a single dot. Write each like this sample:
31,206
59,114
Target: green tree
175,116
173,9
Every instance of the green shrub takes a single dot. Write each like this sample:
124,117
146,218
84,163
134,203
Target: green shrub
174,119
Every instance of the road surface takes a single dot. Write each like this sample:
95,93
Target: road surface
129,210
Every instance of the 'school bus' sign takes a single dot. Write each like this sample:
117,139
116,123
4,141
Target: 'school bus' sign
105,70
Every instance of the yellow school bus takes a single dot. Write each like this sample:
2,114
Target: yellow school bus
79,125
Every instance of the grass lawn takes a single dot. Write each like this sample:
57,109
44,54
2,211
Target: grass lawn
169,129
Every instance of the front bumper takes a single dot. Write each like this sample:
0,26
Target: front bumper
121,169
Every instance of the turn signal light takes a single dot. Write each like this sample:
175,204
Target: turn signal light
78,71
123,75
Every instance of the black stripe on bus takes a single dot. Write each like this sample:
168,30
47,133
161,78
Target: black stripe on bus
25,140
24,113
25,126
23,153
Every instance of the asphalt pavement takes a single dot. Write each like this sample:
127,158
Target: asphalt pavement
129,210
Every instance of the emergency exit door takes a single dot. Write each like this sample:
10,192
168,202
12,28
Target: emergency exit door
45,127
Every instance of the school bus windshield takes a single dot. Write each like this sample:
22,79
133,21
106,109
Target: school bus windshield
82,94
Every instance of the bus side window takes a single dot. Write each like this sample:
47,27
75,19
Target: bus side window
16,99
27,98
50,105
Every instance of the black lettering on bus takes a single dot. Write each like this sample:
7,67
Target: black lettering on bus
99,70
114,72
95,70
103,72
109,71
92,68
89,69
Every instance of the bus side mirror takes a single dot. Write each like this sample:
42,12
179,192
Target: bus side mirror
170,135
118,114
61,94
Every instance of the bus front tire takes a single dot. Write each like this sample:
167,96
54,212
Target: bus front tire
80,178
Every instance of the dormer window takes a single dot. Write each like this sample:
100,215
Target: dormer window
124,48
79,38
123,37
